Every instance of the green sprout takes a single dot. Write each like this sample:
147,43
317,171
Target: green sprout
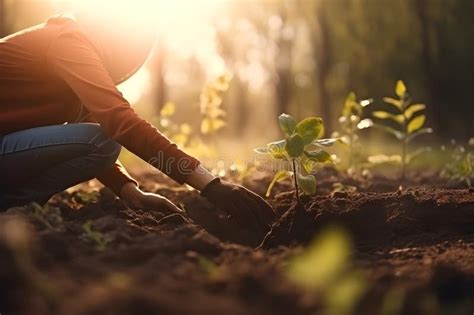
298,149
460,166
350,122
409,122
100,240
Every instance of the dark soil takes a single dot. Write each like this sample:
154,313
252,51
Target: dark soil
418,241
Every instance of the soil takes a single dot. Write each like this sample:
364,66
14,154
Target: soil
416,244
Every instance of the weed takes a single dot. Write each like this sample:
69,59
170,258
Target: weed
409,122
297,149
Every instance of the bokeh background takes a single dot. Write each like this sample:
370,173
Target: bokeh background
296,56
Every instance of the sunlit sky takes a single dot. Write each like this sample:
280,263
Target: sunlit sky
184,25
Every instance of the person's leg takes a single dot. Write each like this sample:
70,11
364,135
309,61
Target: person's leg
37,163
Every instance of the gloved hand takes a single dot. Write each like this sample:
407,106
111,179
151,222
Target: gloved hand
246,207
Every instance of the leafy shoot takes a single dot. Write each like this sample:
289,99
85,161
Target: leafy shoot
302,149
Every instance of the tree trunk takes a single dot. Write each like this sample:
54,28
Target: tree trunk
323,58
429,35
3,26
159,64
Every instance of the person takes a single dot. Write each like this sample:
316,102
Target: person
63,121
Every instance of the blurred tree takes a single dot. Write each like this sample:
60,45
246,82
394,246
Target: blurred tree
159,65
3,26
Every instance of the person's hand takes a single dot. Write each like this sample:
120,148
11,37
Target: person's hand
246,207
136,198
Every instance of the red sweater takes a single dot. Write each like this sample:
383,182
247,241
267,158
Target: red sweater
49,71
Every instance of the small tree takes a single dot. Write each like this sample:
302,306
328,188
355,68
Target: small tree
409,120
299,150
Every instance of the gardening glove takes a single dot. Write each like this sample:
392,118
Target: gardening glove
246,207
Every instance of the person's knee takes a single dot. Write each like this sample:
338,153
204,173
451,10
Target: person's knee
107,149
109,152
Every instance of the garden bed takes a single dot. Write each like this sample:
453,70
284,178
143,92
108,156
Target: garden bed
417,242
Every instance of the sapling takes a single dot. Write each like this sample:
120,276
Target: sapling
350,123
409,121
298,149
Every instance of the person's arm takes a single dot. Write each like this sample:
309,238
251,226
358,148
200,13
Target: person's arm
75,61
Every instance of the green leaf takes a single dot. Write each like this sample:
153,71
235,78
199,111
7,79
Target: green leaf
287,124
307,183
416,123
384,115
168,110
294,146
365,123
277,149
400,89
366,102
393,102
418,133
323,261
325,142
261,150
412,109
351,106
417,153
308,165
279,176
320,156
398,134
310,129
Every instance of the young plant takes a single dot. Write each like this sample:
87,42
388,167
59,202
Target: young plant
97,238
408,120
350,122
298,149
460,166
178,133
211,100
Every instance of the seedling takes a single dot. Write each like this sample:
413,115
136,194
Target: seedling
350,123
298,150
460,166
409,121
97,238
211,100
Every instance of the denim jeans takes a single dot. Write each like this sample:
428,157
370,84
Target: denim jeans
39,162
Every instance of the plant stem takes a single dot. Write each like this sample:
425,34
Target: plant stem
404,154
296,182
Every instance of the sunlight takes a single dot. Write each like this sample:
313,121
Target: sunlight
184,25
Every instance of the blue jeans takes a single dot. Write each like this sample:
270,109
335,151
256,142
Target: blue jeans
39,162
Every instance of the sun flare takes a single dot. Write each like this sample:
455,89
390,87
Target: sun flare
185,26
